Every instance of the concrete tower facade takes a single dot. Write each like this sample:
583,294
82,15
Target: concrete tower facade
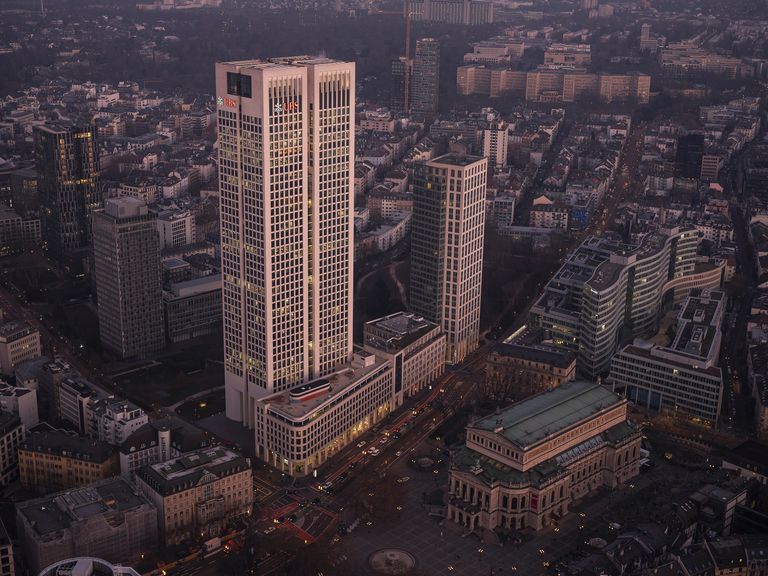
447,248
286,172
126,253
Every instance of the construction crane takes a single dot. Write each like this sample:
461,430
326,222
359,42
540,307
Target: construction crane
408,64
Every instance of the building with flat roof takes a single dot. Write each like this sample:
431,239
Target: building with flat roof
468,12
523,466
20,400
158,441
425,81
749,459
19,342
51,460
84,566
199,493
606,286
415,347
107,519
126,252
113,420
683,378
175,228
68,183
568,55
18,234
447,248
300,428
193,308
73,400
524,364
11,436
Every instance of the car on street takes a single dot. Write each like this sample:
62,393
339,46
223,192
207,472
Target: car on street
374,451
403,480
361,444
398,453
269,530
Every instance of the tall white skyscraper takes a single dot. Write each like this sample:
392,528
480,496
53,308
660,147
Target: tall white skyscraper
447,248
286,174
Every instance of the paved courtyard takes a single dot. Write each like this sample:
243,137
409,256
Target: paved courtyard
439,547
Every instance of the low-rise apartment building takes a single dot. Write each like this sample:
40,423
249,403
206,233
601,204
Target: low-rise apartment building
22,401
51,460
106,519
18,342
113,420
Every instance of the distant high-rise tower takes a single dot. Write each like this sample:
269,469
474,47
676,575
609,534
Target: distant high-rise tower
128,274
68,167
400,75
589,4
690,150
286,175
645,31
425,82
447,248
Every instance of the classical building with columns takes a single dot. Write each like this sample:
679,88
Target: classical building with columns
523,467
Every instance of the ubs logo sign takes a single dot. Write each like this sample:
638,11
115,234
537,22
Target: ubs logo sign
290,106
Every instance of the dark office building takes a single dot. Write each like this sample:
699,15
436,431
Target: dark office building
68,184
426,77
754,173
690,150
400,68
126,250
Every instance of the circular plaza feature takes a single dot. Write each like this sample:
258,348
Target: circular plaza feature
392,562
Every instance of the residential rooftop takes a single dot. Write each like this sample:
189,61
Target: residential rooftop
11,331
698,334
184,437
185,472
396,331
67,445
526,344
55,512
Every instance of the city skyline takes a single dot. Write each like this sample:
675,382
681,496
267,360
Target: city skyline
341,288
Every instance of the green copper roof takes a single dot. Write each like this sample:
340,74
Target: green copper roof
530,421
